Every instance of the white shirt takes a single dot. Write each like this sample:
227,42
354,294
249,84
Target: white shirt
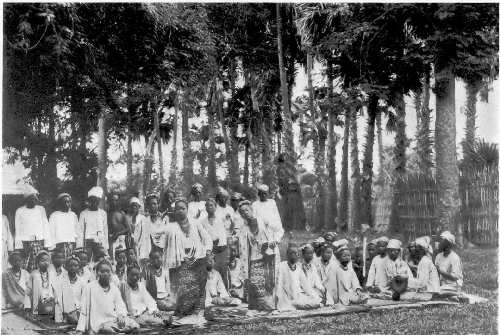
225,214
162,285
377,275
141,301
158,230
196,209
93,226
63,227
31,224
452,265
268,211
215,227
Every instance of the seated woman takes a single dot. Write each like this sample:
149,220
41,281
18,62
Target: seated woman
311,272
15,282
70,291
318,245
85,271
215,291
293,290
157,282
377,277
342,283
236,280
427,279
140,305
102,309
120,271
412,258
449,266
326,262
41,287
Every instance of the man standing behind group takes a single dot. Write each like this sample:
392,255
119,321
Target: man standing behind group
64,226
93,230
120,229
32,232
267,209
157,223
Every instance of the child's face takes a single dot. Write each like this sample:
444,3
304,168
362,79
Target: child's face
84,260
73,266
232,263
121,258
16,261
43,263
327,254
156,260
133,276
307,254
210,263
131,256
345,256
293,255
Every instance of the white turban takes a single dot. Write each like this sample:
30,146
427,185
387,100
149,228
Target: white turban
382,239
394,244
63,195
340,243
96,191
263,188
222,191
319,240
446,235
424,242
29,190
135,200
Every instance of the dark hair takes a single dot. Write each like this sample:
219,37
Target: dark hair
101,263
152,252
132,266
41,254
56,252
10,259
72,258
183,200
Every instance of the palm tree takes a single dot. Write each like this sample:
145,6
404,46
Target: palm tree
356,175
424,140
187,158
471,89
173,163
344,190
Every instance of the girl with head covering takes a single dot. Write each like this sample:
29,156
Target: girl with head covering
141,233
448,264
427,279
41,287
64,225
259,255
32,228
15,283
187,245
120,270
102,307
93,224
196,207
293,290
85,271
215,226
311,272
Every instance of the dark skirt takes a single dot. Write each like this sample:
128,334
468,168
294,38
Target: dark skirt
67,248
261,284
188,284
31,249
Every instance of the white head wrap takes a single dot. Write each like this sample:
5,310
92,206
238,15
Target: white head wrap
29,190
96,191
383,239
394,244
62,195
424,242
446,235
340,243
263,188
135,200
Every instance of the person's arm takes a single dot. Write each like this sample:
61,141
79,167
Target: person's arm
83,320
148,299
80,231
206,240
371,275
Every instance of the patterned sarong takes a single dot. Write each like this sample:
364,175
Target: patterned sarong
261,284
31,249
67,248
188,284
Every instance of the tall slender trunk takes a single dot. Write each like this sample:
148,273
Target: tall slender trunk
344,188
148,155
380,146
173,163
319,156
102,150
366,215
399,159
246,172
130,159
187,153
424,142
356,175
446,157
331,219
212,173
219,104
472,89
156,120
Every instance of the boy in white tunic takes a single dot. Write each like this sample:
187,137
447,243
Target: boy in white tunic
293,290
377,277
397,271
449,265
93,224
266,209
427,276
215,291
311,272
64,226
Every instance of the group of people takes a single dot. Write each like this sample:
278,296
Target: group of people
117,270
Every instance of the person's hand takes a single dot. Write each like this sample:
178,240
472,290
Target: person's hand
121,321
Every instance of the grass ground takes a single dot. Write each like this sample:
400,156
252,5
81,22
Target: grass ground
480,272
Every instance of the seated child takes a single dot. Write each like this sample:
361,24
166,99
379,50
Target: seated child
140,305
120,271
70,292
293,290
102,309
215,291
41,287
85,271
311,273
157,281
236,279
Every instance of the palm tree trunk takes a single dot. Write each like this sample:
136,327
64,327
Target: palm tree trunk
156,119
367,177
424,142
187,158
446,157
173,163
212,176
219,104
356,175
246,172
130,159
472,89
344,190
101,151
380,145
331,219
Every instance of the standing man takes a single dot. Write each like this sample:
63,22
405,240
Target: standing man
196,207
64,226
32,228
266,209
93,230
223,211
120,230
